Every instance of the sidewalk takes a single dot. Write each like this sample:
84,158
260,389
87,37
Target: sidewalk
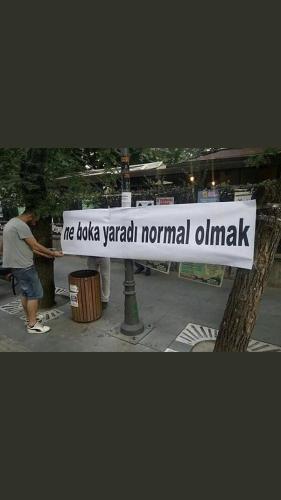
166,303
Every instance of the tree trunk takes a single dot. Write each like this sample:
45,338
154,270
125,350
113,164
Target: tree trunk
242,307
33,171
45,267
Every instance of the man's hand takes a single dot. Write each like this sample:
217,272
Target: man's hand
58,253
41,250
52,255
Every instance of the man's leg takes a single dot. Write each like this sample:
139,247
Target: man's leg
105,279
24,304
102,265
32,309
24,299
32,289
92,263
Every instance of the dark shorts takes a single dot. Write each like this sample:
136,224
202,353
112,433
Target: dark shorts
29,283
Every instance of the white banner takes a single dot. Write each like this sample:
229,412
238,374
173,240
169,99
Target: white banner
217,233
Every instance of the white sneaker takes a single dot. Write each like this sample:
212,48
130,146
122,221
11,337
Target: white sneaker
39,318
38,328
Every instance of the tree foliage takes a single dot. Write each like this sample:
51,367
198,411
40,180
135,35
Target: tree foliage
107,158
29,176
172,156
268,156
24,175
10,182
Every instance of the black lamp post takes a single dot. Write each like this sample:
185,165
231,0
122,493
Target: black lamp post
131,325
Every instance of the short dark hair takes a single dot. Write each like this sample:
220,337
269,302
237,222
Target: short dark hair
30,211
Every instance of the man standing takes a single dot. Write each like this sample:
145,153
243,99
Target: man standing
19,247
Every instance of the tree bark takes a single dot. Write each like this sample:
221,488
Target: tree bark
33,171
45,266
242,307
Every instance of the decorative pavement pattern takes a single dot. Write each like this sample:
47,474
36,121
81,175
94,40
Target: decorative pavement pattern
198,338
15,306
12,308
48,315
62,291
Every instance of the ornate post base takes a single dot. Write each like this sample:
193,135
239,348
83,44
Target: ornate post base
132,324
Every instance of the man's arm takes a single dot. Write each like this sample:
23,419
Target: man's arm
42,254
1,247
37,247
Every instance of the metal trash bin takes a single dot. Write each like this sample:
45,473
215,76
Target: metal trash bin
85,296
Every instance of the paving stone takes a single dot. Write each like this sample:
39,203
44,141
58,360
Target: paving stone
9,345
